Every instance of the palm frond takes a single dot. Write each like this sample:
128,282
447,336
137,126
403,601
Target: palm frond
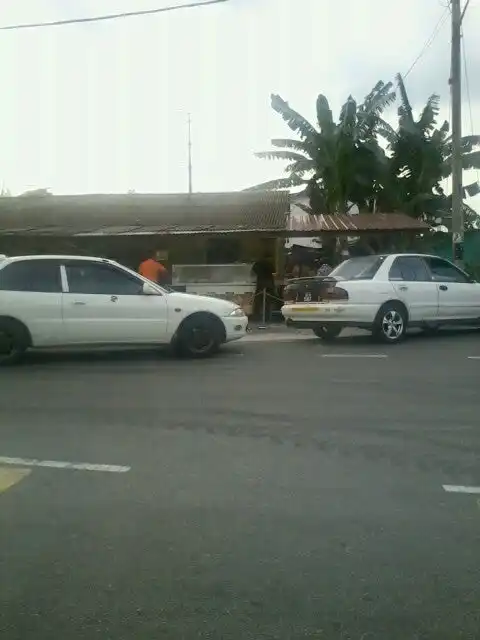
428,117
386,131
301,146
405,109
380,97
348,116
295,121
468,144
305,165
471,160
324,115
280,155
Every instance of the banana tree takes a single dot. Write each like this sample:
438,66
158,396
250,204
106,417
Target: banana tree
421,160
339,164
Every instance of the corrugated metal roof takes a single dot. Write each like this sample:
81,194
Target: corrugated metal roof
145,214
356,223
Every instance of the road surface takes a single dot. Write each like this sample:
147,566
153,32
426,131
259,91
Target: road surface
279,491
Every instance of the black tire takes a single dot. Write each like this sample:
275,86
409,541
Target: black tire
13,343
328,333
199,337
391,323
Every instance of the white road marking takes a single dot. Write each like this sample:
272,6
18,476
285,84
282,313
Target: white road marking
58,464
474,357
458,488
354,355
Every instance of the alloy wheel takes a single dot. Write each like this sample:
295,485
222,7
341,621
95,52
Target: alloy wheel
393,325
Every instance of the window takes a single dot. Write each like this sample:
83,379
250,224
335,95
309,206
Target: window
363,268
86,277
34,276
444,271
409,269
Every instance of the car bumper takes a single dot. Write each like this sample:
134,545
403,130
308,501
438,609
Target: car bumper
235,327
323,313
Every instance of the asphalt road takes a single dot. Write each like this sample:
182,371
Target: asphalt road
279,491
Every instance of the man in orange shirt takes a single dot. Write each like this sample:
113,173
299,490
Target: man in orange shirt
153,269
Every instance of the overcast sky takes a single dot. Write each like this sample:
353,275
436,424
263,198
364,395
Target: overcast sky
102,107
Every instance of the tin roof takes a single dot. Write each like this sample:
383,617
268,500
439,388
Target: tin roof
352,224
145,214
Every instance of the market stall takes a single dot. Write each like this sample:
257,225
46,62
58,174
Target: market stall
233,282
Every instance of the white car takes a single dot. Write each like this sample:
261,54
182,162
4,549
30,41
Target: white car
385,294
72,301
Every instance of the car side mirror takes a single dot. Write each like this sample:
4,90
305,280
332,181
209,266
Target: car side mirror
150,290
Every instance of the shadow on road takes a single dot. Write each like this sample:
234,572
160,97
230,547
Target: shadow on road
415,336
117,355
146,355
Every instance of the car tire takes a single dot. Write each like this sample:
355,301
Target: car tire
391,323
198,337
13,343
327,333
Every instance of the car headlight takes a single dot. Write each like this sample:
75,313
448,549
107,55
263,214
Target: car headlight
238,312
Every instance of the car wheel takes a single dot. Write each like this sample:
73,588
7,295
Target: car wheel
198,337
391,323
12,343
327,332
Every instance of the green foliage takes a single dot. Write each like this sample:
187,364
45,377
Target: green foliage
337,162
361,160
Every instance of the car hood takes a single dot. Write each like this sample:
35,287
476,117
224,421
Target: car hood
202,303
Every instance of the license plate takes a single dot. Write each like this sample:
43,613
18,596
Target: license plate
303,309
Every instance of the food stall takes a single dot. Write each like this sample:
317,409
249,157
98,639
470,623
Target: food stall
233,282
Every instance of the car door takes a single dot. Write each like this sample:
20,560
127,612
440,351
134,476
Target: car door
413,285
32,293
104,304
459,295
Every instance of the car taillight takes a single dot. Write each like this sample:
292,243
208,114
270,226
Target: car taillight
335,293
289,295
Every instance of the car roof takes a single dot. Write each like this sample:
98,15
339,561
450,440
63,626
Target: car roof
53,257
409,254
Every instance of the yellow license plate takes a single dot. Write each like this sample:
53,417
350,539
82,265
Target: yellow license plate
304,309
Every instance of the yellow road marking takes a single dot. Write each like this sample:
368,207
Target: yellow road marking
9,477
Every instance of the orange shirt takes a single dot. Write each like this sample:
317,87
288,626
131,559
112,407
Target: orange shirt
151,269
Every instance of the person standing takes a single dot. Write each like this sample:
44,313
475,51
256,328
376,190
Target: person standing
263,269
154,270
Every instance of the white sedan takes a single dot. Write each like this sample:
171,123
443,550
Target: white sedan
72,301
385,294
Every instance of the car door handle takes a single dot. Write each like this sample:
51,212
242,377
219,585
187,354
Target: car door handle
443,287
79,303
403,287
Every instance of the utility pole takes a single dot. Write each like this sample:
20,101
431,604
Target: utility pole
190,186
456,97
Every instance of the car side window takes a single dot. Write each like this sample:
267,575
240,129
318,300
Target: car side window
33,276
444,271
101,279
409,269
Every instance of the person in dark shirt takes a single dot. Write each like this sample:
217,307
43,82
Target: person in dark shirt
264,270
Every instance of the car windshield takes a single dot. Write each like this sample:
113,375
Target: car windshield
363,268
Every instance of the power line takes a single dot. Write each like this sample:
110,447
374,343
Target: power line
430,40
112,16
465,10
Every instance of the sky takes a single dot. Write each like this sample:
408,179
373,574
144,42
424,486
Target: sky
102,107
